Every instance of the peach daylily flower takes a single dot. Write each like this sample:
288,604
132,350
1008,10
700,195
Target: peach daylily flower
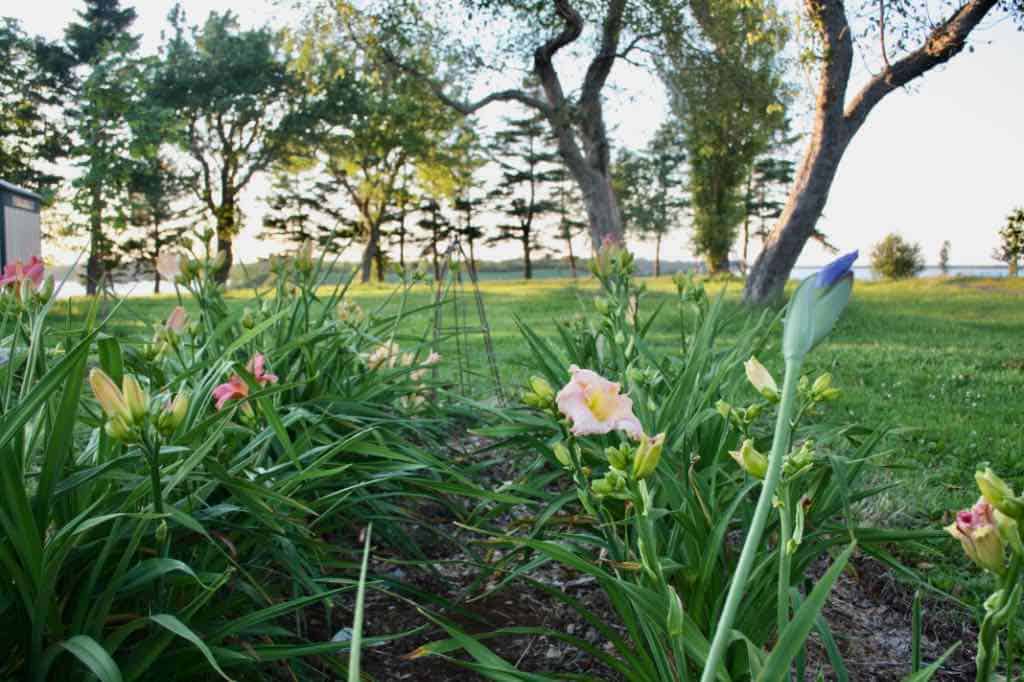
235,388
595,405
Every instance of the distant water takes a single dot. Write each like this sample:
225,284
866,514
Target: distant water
863,273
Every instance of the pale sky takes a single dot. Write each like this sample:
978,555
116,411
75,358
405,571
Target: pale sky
943,161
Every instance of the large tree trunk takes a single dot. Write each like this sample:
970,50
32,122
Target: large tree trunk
836,122
806,201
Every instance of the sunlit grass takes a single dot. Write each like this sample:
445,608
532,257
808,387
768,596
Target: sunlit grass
944,356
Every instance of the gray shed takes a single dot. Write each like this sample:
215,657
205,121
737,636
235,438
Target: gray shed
20,236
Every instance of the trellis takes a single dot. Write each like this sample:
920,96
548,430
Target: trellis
462,331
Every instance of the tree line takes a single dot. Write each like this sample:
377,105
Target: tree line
364,119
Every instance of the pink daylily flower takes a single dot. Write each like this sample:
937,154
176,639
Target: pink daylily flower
257,367
17,272
595,405
235,388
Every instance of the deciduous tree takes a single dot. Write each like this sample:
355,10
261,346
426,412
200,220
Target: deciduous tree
243,109
909,43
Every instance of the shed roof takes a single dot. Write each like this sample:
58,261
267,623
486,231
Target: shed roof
14,189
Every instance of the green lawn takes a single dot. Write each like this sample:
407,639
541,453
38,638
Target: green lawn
943,357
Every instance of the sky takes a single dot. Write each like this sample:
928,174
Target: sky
942,161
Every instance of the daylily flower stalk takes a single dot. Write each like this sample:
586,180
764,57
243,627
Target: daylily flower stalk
811,314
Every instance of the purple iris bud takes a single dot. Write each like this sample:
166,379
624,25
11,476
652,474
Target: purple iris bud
834,271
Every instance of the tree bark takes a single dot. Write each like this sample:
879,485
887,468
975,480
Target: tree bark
572,257
94,265
578,125
657,256
835,124
527,263
370,252
226,229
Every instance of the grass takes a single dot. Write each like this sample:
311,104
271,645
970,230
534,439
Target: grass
943,358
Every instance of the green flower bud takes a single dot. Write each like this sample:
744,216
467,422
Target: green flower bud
542,389
601,303
998,493
647,456
563,455
750,460
822,383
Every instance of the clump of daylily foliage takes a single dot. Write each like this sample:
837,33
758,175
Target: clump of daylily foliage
191,502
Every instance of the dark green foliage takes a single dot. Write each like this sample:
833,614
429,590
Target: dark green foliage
241,108
729,99
29,137
526,153
896,258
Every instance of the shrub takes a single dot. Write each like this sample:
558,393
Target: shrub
896,258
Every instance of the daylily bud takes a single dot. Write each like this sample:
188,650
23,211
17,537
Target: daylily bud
999,494
177,320
174,414
976,530
647,456
750,460
799,460
601,303
829,394
109,396
761,379
723,408
117,429
542,389
822,383
161,532
562,454
620,339
617,458
135,397
248,321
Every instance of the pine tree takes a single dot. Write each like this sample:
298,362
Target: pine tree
525,151
307,207
105,75
652,187
436,231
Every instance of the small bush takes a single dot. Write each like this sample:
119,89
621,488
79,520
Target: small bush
896,258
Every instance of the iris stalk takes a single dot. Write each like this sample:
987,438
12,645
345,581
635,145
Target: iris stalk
780,445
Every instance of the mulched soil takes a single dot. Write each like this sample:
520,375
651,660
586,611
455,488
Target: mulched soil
868,613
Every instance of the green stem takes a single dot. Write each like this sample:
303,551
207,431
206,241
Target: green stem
785,533
723,632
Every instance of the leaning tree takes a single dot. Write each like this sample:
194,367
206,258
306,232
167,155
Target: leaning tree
909,44
526,36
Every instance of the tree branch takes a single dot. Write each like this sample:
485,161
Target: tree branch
941,45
